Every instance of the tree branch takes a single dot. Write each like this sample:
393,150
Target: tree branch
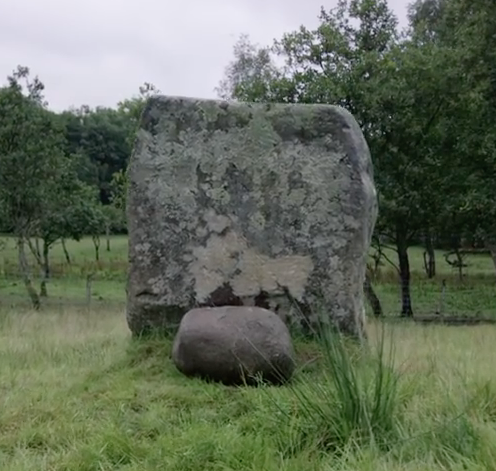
35,252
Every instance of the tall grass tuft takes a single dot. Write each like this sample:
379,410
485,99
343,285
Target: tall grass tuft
354,400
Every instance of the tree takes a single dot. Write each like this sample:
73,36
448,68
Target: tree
31,161
371,296
73,122
467,28
251,75
118,197
100,139
67,214
114,213
132,108
476,41
96,226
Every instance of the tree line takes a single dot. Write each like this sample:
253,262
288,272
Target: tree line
424,96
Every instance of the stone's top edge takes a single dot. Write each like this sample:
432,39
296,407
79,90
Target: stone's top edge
175,98
162,97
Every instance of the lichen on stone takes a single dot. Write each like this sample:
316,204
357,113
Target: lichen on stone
239,203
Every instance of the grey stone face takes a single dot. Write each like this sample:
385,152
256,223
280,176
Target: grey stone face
270,205
234,344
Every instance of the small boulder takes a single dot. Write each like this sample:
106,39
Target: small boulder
234,344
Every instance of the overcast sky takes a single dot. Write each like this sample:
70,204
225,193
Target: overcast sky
98,52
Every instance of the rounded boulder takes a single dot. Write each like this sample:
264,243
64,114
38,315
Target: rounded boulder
234,345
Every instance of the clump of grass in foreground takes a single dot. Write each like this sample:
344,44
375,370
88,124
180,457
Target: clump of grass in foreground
355,400
363,406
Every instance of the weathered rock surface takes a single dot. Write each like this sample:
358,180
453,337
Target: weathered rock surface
234,344
270,205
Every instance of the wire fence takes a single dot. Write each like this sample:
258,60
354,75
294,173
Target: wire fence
460,285
445,297
87,291
473,295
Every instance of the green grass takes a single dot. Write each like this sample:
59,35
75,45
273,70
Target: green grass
68,282
354,399
77,394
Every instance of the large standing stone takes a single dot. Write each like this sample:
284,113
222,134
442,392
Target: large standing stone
270,205
234,344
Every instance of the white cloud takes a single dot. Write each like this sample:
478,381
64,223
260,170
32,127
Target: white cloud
98,52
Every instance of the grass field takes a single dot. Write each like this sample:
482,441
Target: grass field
78,394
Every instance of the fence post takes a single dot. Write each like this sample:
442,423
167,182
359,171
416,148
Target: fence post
440,310
89,280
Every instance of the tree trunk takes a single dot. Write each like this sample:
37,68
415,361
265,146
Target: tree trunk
35,250
46,270
460,264
491,246
372,298
24,269
429,257
66,253
107,235
96,243
404,264
37,245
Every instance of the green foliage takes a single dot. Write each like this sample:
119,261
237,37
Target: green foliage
31,160
41,195
133,107
100,138
118,194
252,76
70,213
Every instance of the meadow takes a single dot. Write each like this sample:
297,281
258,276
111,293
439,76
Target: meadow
78,394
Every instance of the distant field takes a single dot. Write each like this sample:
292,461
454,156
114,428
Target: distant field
68,282
475,295
83,256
